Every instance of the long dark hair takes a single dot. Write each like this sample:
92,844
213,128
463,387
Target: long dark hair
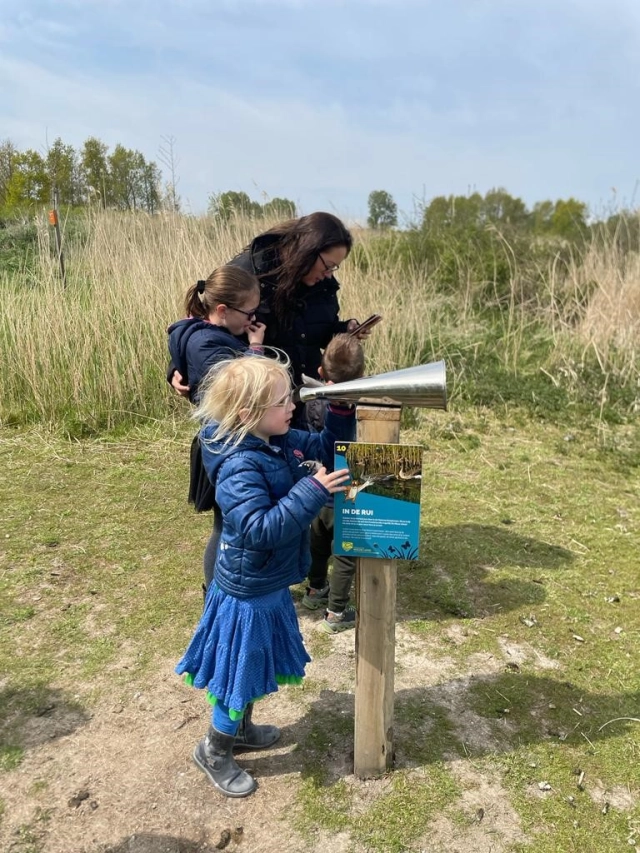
225,286
299,242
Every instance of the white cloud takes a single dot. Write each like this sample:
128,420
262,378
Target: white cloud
324,102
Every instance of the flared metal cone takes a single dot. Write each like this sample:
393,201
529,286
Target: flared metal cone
424,386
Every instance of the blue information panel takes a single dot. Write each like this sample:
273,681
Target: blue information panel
379,514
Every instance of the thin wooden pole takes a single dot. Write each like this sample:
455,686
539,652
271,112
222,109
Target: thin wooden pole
375,628
54,220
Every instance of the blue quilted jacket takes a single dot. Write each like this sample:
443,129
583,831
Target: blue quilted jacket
195,346
268,502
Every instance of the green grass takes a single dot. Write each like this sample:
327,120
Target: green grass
400,816
89,571
397,816
530,540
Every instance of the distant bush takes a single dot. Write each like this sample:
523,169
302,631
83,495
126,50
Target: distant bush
18,245
484,263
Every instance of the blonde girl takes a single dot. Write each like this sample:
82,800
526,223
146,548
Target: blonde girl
248,640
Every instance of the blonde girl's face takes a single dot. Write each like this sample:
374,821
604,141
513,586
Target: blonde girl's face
237,318
276,420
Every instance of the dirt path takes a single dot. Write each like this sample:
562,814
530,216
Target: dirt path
122,780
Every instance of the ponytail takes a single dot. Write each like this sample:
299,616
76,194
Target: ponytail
193,306
226,285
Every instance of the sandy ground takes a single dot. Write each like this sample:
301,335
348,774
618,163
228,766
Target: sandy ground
122,779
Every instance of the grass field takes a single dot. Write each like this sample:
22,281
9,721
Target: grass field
558,337
517,700
518,639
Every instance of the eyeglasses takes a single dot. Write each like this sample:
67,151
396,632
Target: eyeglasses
328,267
250,314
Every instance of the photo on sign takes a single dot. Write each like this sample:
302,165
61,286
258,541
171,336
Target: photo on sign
388,470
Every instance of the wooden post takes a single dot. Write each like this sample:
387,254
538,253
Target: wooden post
375,628
53,220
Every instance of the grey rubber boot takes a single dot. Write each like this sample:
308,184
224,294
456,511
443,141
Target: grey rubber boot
213,756
251,736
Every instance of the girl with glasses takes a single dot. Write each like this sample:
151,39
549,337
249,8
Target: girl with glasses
221,322
248,641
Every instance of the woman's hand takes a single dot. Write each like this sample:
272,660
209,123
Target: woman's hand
255,334
352,325
333,482
178,387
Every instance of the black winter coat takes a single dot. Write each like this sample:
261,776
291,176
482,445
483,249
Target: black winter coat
315,319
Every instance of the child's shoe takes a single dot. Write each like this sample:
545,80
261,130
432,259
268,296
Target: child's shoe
333,623
251,736
314,599
213,756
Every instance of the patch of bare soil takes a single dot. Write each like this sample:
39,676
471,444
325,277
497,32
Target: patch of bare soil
121,779
490,823
519,653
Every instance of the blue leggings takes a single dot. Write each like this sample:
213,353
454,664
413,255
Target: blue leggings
222,722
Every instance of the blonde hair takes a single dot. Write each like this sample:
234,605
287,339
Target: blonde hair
238,391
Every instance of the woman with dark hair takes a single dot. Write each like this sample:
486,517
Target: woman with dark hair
295,263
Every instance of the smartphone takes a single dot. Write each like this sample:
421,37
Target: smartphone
369,323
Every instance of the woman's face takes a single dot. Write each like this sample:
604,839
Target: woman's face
325,265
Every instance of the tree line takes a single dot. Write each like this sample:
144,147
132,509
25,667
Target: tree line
228,204
460,214
565,218
123,179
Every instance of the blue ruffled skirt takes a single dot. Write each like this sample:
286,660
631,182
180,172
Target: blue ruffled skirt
243,648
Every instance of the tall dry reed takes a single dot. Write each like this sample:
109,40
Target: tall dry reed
94,354
596,304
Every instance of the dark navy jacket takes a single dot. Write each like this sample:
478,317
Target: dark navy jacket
195,346
268,502
315,313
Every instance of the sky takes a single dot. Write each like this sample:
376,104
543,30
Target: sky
323,101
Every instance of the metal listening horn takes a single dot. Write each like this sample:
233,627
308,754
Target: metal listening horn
424,386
